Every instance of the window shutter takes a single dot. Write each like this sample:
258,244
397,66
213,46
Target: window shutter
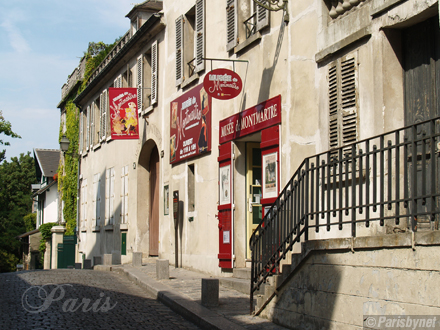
348,101
98,202
112,195
139,81
126,194
81,134
92,125
107,195
263,17
231,24
95,193
88,128
154,73
179,50
104,110
123,195
85,202
101,116
333,107
200,35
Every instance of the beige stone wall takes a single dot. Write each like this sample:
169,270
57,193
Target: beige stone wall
334,289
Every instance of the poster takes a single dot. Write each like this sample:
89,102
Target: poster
225,186
190,125
123,113
270,175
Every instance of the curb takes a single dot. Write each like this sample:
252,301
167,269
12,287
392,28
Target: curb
192,311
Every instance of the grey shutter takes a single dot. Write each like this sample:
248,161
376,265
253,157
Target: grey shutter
154,73
231,24
333,107
81,133
105,114
88,128
200,35
263,17
179,50
139,84
101,116
348,101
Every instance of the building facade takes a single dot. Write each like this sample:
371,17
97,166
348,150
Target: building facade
317,76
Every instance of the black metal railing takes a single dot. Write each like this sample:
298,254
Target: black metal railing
391,179
191,67
250,25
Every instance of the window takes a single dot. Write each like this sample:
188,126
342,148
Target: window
147,78
103,109
343,104
96,200
83,209
127,78
190,42
109,196
243,18
124,195
191,188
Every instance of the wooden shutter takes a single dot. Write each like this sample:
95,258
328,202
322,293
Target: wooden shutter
263,17
92,125
101,116
139,80
104,106
231,24
88,129
200,35
98,202
154,58
94,197
81,134
179,50
126,194
107,196
84,197
112,196
333,107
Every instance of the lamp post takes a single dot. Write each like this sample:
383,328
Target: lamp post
275,5
64,144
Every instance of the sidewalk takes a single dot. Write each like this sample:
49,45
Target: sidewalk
182,293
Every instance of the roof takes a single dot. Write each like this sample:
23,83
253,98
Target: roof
28,233
47,161
42,190
149,5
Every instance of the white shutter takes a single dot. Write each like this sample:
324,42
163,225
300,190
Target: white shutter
81,134
98,202
88,129
231,24
94,197
85,202
154,58
126,194
104,114
92,125
263,17
348,101
139,82
200,35
101,116
107,196
123,195
112,195
179,51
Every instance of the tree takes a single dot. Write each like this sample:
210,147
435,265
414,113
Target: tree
16,178
5,128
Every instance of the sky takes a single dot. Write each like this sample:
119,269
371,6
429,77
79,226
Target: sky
41,43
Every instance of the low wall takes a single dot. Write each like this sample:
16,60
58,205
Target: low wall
341,281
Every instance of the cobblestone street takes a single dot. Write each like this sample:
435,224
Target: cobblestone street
80,299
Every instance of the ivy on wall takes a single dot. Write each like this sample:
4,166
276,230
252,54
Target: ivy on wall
68,171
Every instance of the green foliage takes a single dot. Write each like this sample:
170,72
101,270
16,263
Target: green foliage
45,230
30,221
8,261
6,129
16,178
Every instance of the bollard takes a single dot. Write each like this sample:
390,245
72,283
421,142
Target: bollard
107,259
87,264
97,260
78,265
137,259
162,269
210,290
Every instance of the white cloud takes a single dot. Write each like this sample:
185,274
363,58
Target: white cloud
18,42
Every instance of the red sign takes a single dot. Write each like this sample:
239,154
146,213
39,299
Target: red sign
263,115
222,84
190,125
123,113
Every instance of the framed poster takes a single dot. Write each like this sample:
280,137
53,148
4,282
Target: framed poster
166,200
123,113
225,186
270,175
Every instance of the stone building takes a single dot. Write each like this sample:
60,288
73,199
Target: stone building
320,79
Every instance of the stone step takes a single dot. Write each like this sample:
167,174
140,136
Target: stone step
244,273
237,284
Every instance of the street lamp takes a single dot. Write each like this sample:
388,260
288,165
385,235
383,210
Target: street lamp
64,144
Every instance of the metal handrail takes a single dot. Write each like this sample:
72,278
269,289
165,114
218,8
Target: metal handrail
386,178
250,25
191,67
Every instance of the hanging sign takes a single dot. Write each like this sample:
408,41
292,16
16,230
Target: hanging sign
254,119
123,113
222,84
190,127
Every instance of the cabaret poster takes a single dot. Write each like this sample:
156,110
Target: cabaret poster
190,125
123,113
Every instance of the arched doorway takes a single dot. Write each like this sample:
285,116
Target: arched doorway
154,202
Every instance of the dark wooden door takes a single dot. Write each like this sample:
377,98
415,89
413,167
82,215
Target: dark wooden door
421,49
154,202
